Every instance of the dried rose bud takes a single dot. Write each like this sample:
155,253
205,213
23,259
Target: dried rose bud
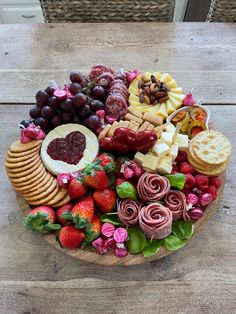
192,199
138,170
196,213
128,172
189,100
205,199
63,180
120,235
120,252
60,93
68,93
107,229
98,244
110,119
109,244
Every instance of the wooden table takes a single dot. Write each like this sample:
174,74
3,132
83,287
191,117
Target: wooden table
201,277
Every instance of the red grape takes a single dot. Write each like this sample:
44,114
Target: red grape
79,100
41,122
24,124
93,121
75,88
56,121
67,105
84,82
53,102
85,111
99,92
50,90
41,98
67,117
35,112
47,112
76,76
96,105
76,120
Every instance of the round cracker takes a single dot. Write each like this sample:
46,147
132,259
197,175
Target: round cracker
32,181
37,184
212,147
24,168
45,200
18,147
21,158
41,194
13,155
41,188
209,173
28,177
64,201
62,193
12,165
25,172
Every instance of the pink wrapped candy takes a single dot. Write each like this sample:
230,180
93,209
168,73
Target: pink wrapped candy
205,199
98,244
196,213
109,244
120,252
107,229
120,235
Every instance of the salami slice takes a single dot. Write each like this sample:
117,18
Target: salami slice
152,187
105,79
128,211
97,70
155,220
176,202
116,106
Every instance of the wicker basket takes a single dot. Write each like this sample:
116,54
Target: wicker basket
222,11
107,10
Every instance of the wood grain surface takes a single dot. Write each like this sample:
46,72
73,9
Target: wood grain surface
199,278
199,55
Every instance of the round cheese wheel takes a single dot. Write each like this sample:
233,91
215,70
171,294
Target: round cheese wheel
89,154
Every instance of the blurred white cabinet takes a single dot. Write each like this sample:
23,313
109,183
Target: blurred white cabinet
20,11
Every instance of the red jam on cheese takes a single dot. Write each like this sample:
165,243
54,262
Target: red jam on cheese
69,149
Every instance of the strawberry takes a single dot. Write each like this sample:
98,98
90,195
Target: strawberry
92,230
82,213
41,219
107,162
211,190
119,181
215,181
95,176
65,209
70,237
182,156
77,188
105,200
185,167
190,181
202,182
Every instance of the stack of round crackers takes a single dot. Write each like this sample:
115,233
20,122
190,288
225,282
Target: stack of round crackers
209,152
29,176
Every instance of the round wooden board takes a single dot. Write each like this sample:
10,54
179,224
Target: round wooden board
109,258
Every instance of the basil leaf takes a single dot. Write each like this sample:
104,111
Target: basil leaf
152,247
173,243
136,241
182,229
111,219
177,180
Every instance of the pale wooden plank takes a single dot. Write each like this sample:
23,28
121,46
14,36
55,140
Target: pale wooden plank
199,55
199,278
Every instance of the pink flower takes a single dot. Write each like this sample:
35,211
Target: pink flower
32,132
131,75
189,100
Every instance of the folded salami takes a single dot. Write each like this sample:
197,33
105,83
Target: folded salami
155,220
176,202
128,211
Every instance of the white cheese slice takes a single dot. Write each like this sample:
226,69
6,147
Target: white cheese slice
173,152
89,154
182,141
161,149
165,165
167,138
150,163
138,157
170,128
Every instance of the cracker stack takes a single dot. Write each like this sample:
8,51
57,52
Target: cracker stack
29,176
209,152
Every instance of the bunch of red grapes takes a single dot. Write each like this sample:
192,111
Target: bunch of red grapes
51,111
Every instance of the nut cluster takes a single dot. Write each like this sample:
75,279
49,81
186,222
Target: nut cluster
152,91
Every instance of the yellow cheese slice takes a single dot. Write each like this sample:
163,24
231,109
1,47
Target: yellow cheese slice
133,97
157,75
153,110
177,90
179,97
133,90
171,84
162,111
143,109
170,108
166,78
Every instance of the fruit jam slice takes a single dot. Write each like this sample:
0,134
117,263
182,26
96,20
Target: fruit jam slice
69,149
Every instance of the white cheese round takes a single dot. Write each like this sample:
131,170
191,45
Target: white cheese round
89,154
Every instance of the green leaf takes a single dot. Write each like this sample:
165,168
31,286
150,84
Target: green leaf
136,241
127,190
182,229
172,243
177,180
111,218
152,247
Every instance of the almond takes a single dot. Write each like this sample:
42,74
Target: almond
163,99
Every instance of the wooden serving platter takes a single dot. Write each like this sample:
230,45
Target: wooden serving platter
109,258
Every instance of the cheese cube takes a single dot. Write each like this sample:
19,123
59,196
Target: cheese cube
181,141
165,165
139,158
161,149
173,152
170,128
150,163
167,138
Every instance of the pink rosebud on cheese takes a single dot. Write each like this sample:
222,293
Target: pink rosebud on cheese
98,244
196,213
107,229
120,252
120,235
205,199
63,180
109,244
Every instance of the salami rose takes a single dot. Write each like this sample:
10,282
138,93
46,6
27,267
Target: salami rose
155,220
176,202
128,211
152,187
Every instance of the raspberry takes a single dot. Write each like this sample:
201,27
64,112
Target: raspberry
190,182
186,167
202,182
182,156
211,190
186,191
215,181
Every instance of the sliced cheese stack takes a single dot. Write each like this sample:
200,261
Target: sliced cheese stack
160,159
175,96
